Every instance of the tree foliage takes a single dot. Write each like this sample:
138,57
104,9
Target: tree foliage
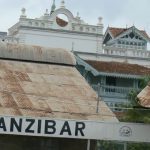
137,113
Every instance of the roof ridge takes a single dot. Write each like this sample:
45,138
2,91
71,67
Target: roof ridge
124,27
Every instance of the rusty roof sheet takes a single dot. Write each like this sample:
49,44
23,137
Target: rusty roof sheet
144,97
36,53
48,90
119,67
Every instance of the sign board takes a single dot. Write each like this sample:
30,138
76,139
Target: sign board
74,129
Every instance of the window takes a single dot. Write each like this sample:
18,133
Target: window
36,23
94,30
131,35
87,29
73,28
111,81
81,28
42,24
30,23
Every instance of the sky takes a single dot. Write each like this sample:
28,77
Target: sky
115,13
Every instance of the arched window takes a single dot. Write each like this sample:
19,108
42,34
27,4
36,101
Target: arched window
87,29
42,24
36,24
30,23
81,28
73,28
94,30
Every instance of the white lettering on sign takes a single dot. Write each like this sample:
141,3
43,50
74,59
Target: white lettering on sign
74,129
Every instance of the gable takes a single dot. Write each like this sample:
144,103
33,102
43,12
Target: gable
131,33
107,38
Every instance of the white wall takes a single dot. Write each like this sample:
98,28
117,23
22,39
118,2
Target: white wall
48,38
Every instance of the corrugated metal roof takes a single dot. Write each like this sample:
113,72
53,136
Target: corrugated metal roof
47,90
36,54
95,72
144,97
119,67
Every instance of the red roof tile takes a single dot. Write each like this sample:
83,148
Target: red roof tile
145,34
117,31
117,67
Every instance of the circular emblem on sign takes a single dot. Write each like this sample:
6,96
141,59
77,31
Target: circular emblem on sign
125,131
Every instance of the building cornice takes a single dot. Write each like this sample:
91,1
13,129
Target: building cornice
59,30
113,56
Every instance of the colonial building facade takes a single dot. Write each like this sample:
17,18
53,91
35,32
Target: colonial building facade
121,66
59,26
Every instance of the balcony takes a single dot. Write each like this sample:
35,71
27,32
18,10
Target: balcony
111,91
109,50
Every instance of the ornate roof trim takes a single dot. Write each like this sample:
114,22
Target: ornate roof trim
118,32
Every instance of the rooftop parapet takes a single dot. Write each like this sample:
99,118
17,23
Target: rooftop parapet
36,54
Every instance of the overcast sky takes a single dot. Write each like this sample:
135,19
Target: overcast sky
116,13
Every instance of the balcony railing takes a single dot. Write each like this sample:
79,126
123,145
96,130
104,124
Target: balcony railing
109,50
113,91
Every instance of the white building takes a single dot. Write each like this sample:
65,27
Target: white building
118,59
59,28
119,69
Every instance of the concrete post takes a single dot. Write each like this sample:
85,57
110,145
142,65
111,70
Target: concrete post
125,146
88,144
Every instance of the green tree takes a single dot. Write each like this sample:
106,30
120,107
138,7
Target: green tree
137,113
